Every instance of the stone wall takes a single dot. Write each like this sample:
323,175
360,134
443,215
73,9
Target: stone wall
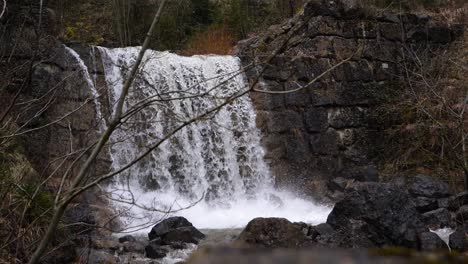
333,127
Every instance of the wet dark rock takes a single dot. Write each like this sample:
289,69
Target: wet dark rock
188,234
155,251
272,233
337,184
284,121
175,230
458,240
322,232
134,247
361,174
428,187
443,203
127,238
431,241
462,214
457,201
316,119
425,204
167,225
438,218
376,214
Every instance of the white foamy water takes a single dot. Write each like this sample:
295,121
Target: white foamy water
212,172
444,234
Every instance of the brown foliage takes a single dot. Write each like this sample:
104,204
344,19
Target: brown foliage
215,40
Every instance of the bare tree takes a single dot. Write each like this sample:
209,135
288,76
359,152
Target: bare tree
81,181
60,208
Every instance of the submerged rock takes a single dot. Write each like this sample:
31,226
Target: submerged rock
272,233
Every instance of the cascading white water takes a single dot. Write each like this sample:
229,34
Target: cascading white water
214,167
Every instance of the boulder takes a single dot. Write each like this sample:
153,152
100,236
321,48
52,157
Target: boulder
376,214
187,234
167,225
175,230
428,187
438,218
430,241
458,240
272,233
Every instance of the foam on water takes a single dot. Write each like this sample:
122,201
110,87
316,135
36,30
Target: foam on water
212,172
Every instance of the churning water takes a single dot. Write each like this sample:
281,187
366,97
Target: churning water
212,171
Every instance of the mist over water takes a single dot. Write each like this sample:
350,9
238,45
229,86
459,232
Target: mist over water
212,172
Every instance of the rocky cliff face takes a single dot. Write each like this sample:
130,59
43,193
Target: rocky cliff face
50,106
333,128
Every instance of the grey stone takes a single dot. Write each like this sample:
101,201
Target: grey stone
316,119
438,218
187,234
337,184
155,251
280,122
324,143
425,204
431,241
462,214
346,117
272,233
458,200
458,240
167,225
376,214
428,187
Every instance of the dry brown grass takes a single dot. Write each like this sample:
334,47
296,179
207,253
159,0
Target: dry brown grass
429,138
215,40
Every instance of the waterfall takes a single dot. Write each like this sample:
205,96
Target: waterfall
212,171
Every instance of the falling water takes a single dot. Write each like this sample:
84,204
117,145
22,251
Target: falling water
212,171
